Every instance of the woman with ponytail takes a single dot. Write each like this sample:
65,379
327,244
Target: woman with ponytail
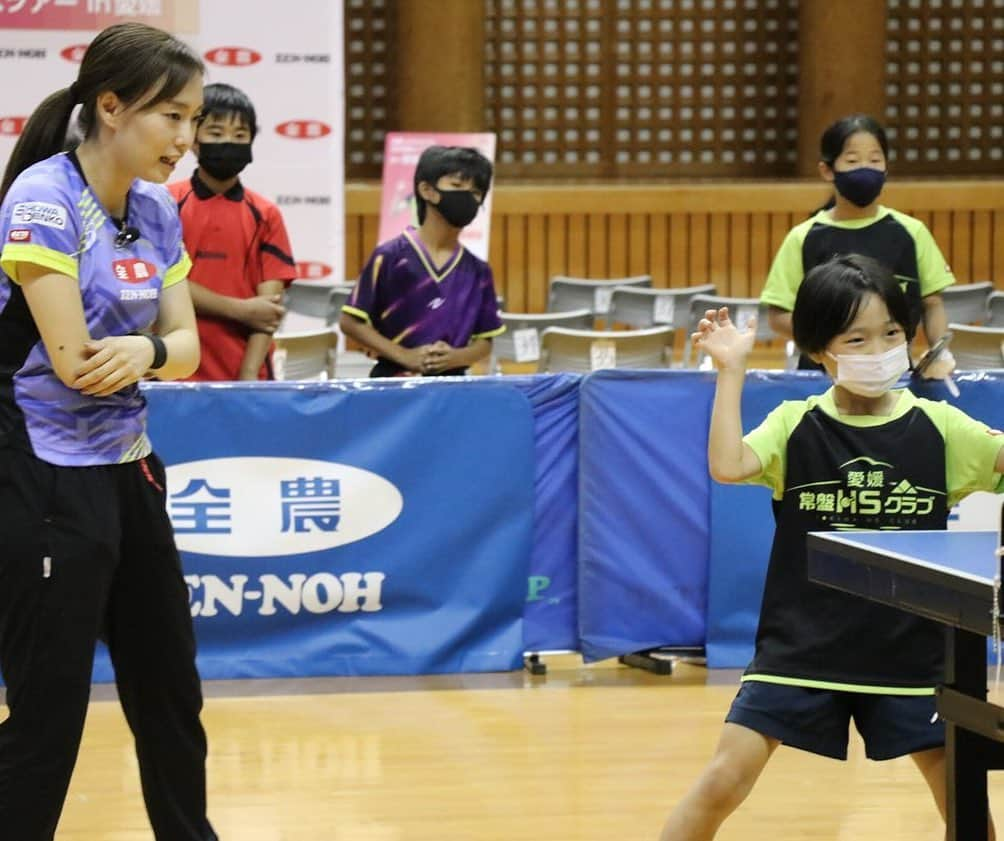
93,297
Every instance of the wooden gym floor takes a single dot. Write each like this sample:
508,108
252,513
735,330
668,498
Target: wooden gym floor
585,753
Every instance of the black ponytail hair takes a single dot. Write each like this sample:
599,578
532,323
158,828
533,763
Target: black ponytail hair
129,59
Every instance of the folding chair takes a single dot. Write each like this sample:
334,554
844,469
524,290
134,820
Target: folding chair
582,351
995,310
307,305
521,340
577,293
638,308
977,348
339,296
303,355
966,303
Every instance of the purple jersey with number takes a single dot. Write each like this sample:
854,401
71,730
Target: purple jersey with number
51,218
409,300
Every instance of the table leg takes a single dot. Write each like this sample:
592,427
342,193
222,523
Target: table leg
965,754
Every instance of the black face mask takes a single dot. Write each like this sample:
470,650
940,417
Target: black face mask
224,160
859,186
457,207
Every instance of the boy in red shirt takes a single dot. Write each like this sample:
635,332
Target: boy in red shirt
241,258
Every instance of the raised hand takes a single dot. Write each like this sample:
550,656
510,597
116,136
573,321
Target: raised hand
725,343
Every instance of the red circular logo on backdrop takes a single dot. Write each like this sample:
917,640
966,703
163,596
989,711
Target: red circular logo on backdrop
12,126
233,56
310,270
74,53
303,129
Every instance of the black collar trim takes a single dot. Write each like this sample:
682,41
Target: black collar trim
202,190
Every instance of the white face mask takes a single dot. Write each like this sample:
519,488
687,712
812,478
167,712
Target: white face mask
871,374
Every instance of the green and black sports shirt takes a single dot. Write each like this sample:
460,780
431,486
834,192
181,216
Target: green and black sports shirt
830,471
898,241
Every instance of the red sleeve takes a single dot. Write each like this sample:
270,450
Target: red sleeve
276,254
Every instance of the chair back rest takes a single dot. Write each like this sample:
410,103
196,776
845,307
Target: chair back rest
977,348
308,297
339,296
582,351
521,340
576,293
303,355
740,310
966,303
640,307
995,310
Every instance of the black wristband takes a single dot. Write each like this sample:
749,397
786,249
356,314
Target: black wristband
159,351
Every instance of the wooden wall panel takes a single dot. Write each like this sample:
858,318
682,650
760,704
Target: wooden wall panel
997,245
637,244
684,234
679,254
536,263
982,256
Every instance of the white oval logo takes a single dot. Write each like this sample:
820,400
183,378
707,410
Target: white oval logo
264,507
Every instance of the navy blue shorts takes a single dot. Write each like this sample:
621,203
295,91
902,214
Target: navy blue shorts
817,720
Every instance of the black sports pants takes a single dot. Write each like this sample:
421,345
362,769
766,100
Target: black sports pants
89,551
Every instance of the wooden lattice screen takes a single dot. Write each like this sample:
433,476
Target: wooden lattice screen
369,109
945,86
652,88
614,88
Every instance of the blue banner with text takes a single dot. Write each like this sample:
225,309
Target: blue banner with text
329,529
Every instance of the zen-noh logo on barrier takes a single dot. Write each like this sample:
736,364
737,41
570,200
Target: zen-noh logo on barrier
312,270
269,507
303,129
233,56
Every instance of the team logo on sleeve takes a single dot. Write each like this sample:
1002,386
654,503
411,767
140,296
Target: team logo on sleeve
19,235
40,213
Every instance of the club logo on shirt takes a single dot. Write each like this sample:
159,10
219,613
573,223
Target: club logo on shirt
40,213
133,271
19,235
868,494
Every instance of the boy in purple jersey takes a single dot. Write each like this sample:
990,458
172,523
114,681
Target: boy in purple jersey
424,304
93,297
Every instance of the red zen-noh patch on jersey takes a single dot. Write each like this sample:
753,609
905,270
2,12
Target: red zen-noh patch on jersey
133,271
19,235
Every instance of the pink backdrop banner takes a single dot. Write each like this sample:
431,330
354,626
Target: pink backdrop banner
397,200
180,16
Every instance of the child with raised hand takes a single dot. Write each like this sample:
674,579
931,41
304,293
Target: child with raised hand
862,455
